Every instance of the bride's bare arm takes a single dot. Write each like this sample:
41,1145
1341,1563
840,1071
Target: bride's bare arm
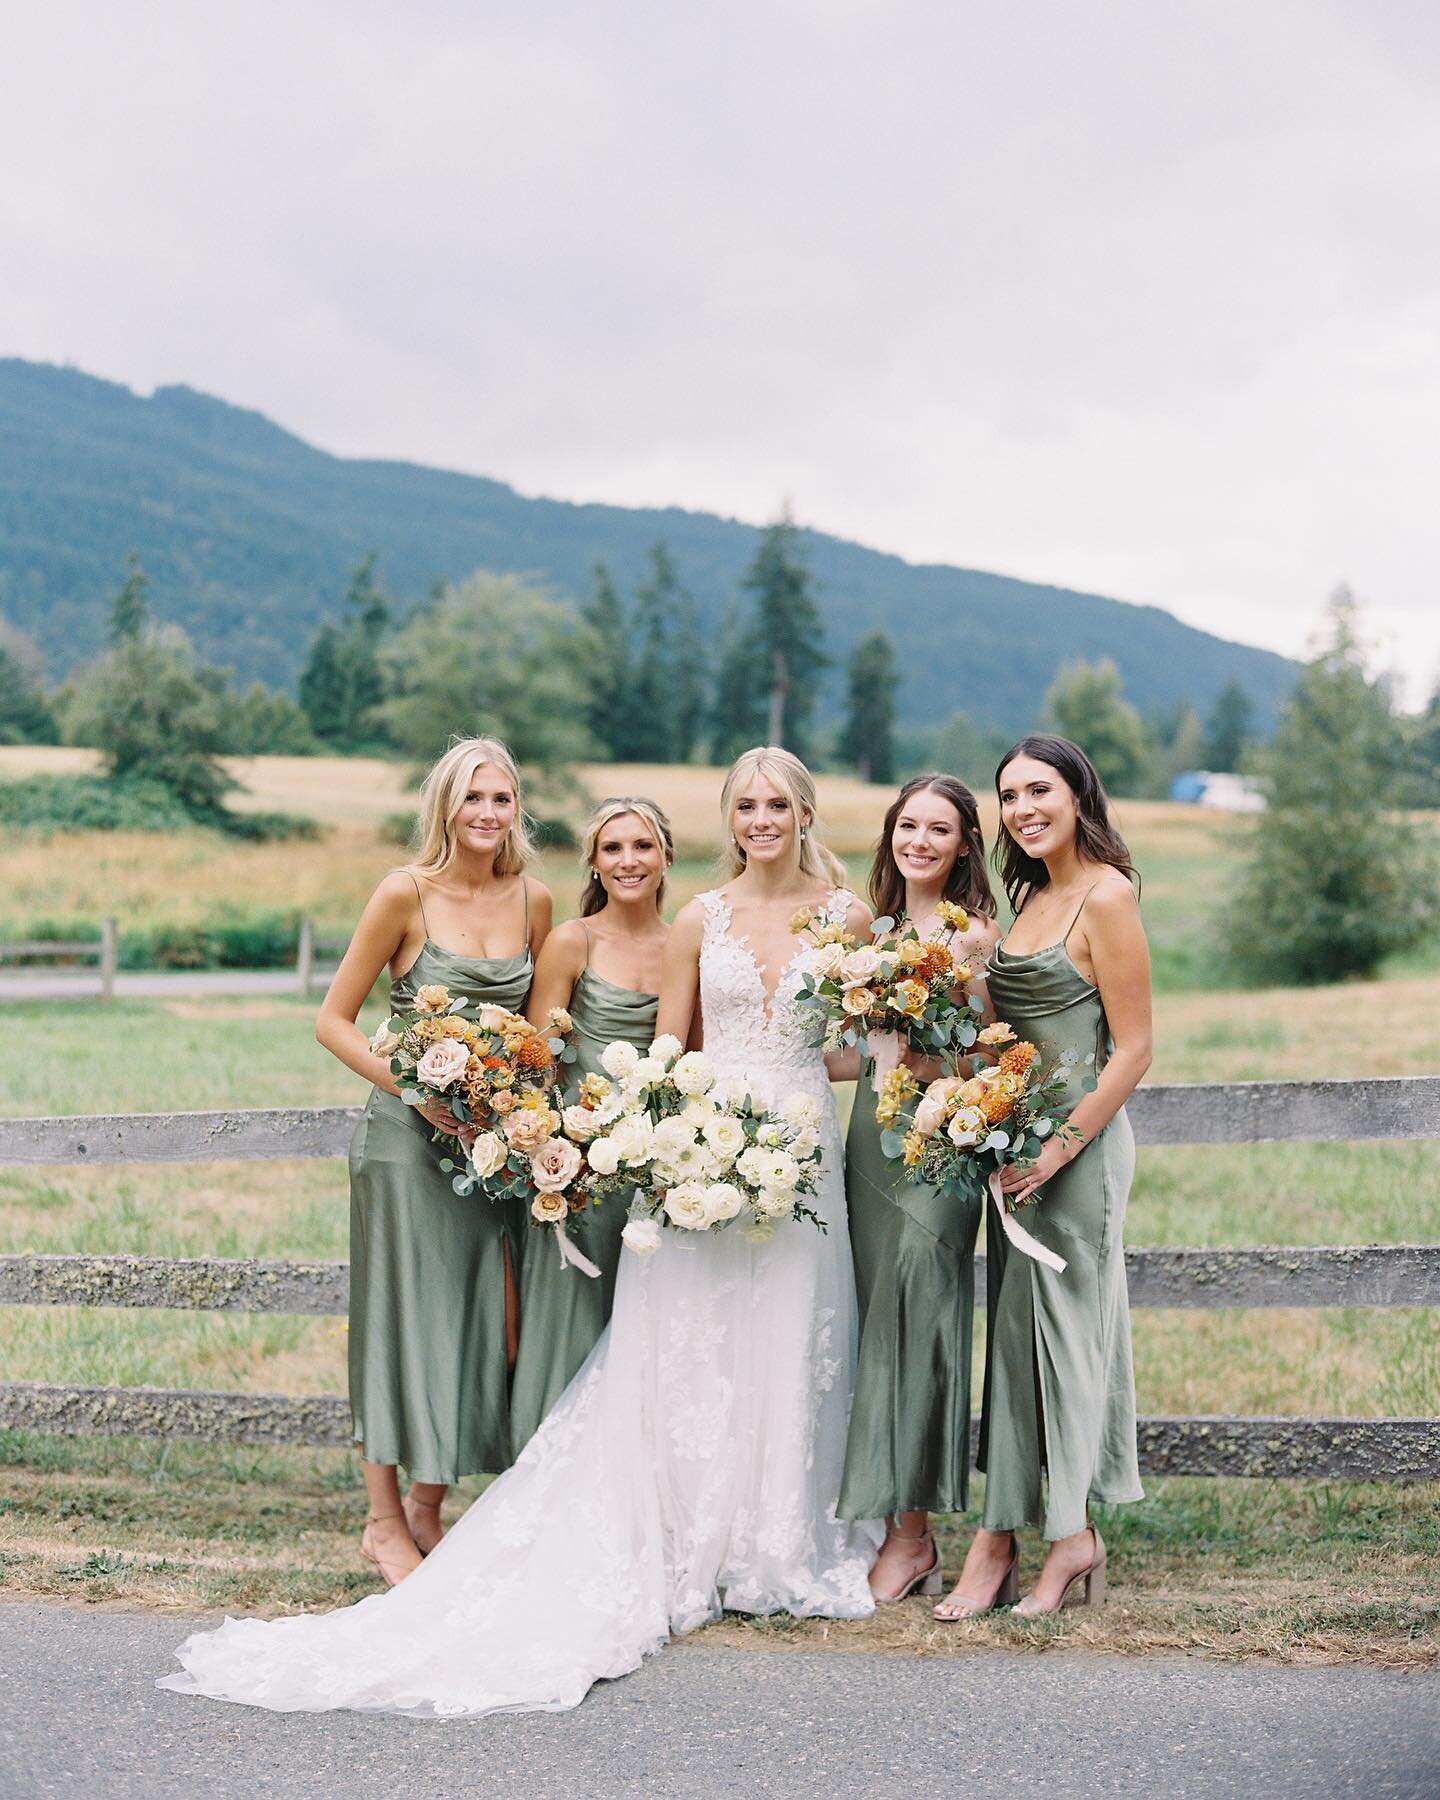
680,975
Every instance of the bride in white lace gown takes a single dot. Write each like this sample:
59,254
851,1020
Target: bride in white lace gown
694,1462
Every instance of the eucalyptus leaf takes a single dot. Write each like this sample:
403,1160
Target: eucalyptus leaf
881,926
997,1140
411,1098
1043,1127
892,1142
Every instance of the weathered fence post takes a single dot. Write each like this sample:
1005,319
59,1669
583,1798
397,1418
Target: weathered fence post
305,957
109,938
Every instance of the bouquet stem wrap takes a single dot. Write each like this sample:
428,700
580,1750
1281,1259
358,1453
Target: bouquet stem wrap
1016,1233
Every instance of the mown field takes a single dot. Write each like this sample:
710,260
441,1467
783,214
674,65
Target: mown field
1294,1571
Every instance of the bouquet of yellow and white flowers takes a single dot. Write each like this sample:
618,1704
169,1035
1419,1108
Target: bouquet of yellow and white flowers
660,1131
492,1073
958,1133
897,984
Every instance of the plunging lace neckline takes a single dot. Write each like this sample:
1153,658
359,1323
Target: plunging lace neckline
836,898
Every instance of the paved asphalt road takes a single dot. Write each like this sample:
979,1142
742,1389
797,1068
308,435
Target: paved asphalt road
79,1716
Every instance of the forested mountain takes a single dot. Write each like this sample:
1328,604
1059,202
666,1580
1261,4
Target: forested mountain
248,535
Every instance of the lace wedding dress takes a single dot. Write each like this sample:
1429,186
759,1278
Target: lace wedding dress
692,1465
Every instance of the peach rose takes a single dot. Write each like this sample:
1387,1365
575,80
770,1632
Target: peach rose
442,1064
860,965
432,998
549,1208
488,1154
527,1129
858,1000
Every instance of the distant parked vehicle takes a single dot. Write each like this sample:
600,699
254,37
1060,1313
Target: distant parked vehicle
1209,787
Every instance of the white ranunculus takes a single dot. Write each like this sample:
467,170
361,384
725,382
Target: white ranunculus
752,1164
603,1156
673,1134
488,1154
725,1135
619,1058
665,1049
804,1144
801,1109
685,1206
694,1074
723,1200
773,1202
634,1139
698,1113
642,1236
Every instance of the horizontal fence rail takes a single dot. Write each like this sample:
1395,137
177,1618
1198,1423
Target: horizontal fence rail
1314,1449
1237,1113
1257,1112
1303,1276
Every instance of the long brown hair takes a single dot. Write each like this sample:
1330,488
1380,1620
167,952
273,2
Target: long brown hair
967,884
1096,839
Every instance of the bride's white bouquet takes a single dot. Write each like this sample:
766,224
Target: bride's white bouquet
690,1152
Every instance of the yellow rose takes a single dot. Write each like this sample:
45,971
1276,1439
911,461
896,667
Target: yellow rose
909,951
858,1000
952,915
910,997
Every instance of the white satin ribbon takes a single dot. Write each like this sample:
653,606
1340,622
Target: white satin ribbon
1018,1235
885,1048
577,1258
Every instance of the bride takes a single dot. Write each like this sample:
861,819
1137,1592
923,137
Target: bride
694,1462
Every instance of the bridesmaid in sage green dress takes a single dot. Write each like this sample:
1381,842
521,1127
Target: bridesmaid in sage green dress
1073,978
604,968
908,1452
433,1296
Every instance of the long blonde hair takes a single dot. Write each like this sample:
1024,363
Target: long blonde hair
442,794
594,896
785,771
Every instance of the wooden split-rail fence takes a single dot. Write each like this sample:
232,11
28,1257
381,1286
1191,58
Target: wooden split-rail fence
1242,1113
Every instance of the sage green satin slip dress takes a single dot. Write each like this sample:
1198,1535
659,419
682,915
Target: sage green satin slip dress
1059,1385
914,1253
563,1310
429,1386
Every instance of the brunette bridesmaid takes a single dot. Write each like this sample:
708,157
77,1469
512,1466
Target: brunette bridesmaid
1072,977
433,1276
604,968
909,1448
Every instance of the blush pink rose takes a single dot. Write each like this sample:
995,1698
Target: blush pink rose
554,1165
442,1064
528,1127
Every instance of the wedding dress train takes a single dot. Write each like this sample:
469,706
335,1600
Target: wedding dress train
693,1464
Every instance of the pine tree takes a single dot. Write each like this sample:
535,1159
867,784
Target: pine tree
689,694
867,738
1227,731
791,629
342,684
1337,878
130,609
323,688
610,695
737,714
651,732
25,713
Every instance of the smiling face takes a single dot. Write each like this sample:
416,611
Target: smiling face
1037,807
630,860
487,811
764,822
926,840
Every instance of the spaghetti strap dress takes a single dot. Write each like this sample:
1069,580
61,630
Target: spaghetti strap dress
562,1310
914,1254
427,1356
1059,1395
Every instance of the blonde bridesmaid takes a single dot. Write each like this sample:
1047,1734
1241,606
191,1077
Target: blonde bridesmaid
433,1276
604,968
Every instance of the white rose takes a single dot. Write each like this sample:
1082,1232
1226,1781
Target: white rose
634,1139
859,966
804,1144
385,1041
548,1208
801,1109
580,1123
698,1113
685,1206
723,1200
642,1236
672,1135
665,1049
827,960
694,1074
773,1202
752,1164
602,1156
491,1018
619,1058
442,1063
725,1135
488,1154
966,1126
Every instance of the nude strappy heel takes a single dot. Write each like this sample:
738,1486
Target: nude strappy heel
1087,1588
928,1582
370,1556
1006,1594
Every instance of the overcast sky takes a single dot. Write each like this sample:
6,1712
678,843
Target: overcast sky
1135,296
